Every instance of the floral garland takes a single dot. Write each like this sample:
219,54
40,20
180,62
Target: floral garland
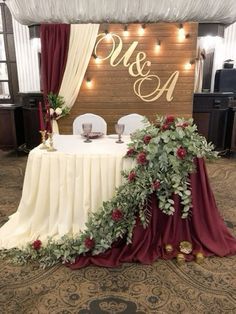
164,152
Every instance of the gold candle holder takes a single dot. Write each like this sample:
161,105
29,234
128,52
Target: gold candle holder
43,139
51,148
169,248
180,259
199,258
185,247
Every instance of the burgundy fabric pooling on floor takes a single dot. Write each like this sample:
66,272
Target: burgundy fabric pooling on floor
205,229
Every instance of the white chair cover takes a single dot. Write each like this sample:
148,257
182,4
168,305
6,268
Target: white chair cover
99,124
132,122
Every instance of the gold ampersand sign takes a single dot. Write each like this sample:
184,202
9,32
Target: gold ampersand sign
140,68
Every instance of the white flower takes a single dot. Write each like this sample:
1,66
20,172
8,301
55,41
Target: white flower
51,111
58,111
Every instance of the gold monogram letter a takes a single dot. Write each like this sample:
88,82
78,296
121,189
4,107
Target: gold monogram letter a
157,93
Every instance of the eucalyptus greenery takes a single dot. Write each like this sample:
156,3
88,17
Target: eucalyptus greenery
164,152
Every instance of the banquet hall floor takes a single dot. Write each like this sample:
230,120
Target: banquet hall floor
163,287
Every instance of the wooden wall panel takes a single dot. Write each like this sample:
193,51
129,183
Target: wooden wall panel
112,94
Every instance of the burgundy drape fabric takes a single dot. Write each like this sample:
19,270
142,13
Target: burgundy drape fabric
205,229
54,51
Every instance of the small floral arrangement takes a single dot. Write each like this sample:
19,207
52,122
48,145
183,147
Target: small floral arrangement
164,152
57,106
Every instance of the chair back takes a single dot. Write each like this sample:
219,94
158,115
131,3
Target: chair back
132,122
98,123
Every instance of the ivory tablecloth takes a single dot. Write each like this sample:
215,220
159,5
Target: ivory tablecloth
61,188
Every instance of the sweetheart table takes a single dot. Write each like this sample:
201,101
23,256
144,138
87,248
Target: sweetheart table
61,188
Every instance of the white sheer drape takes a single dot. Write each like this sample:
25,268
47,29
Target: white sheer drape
27,59
215,45
230,43
82,41
122,11
199,70
225,48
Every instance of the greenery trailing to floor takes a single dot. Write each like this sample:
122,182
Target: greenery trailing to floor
164,152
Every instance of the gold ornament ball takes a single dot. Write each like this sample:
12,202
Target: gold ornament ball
180,259
199,257
169,248
185,247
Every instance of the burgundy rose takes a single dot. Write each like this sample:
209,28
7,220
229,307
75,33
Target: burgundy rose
169,119
147,139
185,124
36,245
117,214
165,127
131,176
130,152
89,243
181,153
156,185
141,158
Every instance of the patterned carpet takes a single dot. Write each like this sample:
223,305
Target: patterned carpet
163,287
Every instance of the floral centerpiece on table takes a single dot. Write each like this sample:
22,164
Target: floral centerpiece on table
57,106
164,152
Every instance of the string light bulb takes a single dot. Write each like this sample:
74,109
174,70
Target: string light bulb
188,65
142,29
89,83
96,58
181,32
158,45
126,32
107,35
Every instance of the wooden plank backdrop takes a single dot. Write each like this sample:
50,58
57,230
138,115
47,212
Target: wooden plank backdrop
112,94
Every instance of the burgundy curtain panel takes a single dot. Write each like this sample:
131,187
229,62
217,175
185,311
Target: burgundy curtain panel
54,51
